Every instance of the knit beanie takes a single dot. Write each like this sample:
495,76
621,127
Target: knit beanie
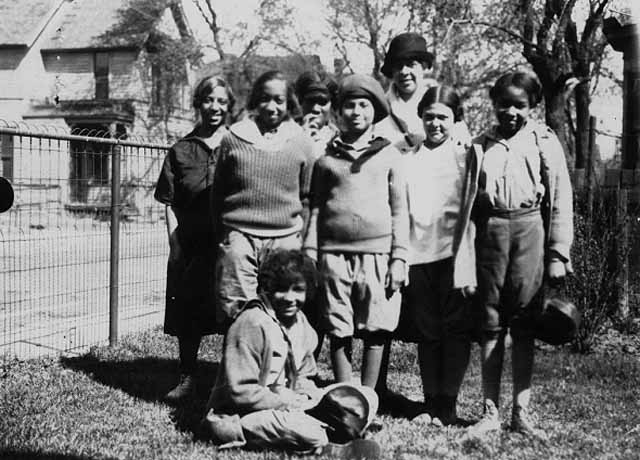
358,85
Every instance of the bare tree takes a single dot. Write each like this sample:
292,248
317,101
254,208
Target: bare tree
371,23
564,53
276,30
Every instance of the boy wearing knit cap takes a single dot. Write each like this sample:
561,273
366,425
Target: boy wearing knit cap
359,230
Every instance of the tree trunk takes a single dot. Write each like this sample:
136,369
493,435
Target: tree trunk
556,119
582,99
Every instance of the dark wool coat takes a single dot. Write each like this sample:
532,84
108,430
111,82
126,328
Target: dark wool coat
184,184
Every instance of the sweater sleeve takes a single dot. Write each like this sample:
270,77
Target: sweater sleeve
245,351
308,367
218,186
310,242
399,207
306,171
560,235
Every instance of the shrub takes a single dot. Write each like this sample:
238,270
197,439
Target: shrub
598,260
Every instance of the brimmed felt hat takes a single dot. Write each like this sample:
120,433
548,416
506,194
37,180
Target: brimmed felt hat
347,409
558,323
358,85
406,46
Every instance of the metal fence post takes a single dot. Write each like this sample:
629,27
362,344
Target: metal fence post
114,257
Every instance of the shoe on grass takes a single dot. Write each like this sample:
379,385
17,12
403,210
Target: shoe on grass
522,422
185,388
358,449
447,413
489,422
424,418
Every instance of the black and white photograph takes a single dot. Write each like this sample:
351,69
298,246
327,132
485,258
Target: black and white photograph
319,229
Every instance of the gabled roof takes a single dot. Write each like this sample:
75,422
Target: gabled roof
87,23
22,21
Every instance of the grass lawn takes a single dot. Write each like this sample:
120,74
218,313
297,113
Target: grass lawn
106,405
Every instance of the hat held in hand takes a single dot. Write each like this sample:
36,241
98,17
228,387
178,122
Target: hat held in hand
347,410
558,323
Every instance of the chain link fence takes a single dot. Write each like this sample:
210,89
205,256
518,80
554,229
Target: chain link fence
83,250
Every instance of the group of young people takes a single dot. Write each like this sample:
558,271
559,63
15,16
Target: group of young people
338,209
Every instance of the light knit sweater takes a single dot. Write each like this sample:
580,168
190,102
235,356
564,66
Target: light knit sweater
262,183
359,205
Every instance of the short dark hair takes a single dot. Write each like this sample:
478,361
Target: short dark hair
523,80
206,86
312,81
285,267
293,108
444,95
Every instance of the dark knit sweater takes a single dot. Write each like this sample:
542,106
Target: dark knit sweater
262,185
359,205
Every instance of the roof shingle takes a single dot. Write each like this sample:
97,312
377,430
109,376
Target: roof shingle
21,22
88,23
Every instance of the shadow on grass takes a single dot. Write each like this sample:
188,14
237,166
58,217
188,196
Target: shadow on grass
150,379
24,455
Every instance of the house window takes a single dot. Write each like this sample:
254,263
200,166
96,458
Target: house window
101,72
90,166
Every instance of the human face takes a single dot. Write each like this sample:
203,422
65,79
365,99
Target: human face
512,110
438,120
287,301
214,107
318,108
357,115
272,104
407,75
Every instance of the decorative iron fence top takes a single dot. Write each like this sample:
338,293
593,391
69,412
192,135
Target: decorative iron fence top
54,132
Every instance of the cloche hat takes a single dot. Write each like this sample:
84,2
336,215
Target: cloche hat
408,45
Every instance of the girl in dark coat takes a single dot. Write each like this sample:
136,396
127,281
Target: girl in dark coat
184,187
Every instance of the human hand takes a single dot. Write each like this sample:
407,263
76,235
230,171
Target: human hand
311,254
300,402
311,123
175,250
395,275
556,271
468,291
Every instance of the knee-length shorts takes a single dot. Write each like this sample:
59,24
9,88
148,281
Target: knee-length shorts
353,296
510,266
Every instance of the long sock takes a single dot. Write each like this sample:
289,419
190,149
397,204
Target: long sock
492,356
430,368
188,348
522,368
372,360
341,358
381,384
455,360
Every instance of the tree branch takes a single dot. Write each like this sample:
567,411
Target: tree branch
212,22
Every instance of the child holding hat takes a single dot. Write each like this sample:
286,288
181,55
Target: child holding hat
263,395
359,230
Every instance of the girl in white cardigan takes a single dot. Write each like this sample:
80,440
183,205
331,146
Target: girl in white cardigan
436,310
